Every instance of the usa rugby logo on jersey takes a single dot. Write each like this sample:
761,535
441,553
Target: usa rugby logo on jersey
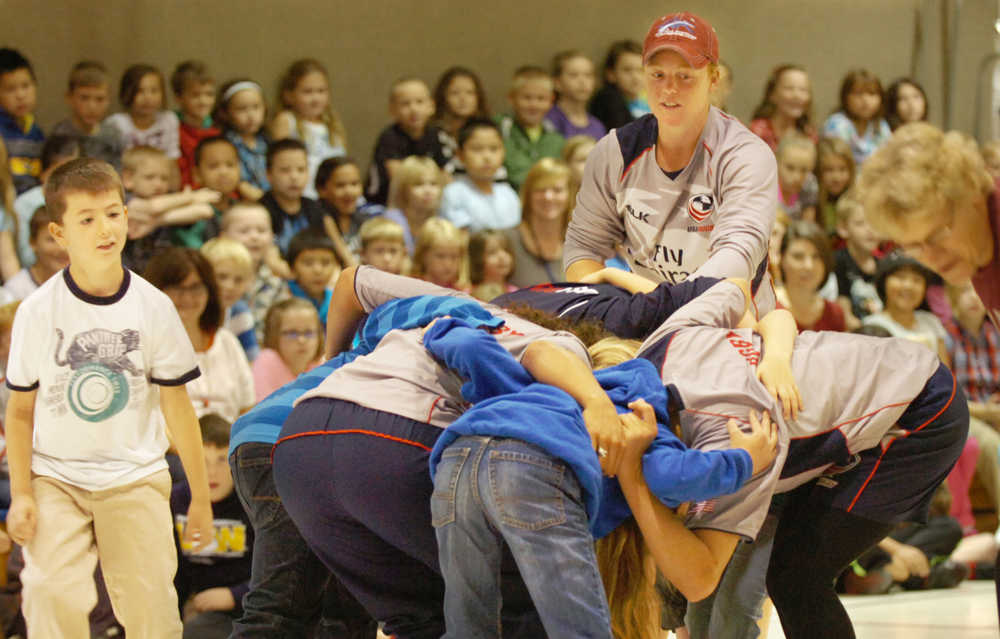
701,206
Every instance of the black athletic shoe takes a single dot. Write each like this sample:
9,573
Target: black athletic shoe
947,574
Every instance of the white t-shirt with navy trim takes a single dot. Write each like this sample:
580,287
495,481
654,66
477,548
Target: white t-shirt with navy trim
96,363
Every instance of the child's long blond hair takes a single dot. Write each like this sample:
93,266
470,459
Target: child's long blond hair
410,172
435,232
290,79
827,148
622,556
629,583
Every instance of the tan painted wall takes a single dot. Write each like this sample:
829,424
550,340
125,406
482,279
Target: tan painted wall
367,44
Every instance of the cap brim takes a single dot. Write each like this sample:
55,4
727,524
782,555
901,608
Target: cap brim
697,61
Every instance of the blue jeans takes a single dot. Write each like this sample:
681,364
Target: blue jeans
490,491
732,611
292,594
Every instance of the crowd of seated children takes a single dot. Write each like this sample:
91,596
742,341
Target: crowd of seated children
244,212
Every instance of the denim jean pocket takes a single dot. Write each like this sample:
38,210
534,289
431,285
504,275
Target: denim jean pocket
527,489
253,479
446,485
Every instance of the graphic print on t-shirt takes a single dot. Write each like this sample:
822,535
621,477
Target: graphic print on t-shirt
96,387
229,540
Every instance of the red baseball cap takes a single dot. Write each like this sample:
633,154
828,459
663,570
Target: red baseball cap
685,33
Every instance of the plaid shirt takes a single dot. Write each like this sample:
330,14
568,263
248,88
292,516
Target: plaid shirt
267,289
975,359
253,162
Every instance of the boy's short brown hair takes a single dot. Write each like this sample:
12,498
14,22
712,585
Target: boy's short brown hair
132,158
214,430
88,73
528,73
189,72
39,222
82,174
406,79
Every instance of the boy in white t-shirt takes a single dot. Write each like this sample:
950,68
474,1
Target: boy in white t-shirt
99,348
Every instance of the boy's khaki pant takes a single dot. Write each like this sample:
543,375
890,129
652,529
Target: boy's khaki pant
130,529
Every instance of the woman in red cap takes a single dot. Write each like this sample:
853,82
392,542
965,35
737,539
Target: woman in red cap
685,191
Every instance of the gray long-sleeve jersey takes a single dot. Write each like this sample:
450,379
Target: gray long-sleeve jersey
854,387
714,219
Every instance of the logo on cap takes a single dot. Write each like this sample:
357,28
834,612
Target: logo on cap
701,206
672,29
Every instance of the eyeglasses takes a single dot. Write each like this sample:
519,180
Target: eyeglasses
299,334
194,290
935,238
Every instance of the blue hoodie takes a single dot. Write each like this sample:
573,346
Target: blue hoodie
509,403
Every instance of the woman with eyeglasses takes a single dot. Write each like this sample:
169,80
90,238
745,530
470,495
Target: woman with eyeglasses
929,191
225,386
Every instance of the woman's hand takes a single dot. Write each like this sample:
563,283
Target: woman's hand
761,442
776,375
639,428
606,434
